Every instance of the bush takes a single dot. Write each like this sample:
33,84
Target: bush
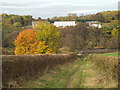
17,69
106,65
7,51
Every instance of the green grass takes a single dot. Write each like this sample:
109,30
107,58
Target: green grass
112,54
54,79
78,78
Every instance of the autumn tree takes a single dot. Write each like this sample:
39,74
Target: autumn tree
26,43
48,33
43,48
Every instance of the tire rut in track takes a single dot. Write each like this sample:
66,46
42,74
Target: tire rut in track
70,79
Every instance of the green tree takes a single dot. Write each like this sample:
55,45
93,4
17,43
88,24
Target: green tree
48,33
17,25
99,17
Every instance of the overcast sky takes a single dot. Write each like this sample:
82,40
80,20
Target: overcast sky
51,8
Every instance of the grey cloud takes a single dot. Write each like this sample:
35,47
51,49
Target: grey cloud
51,9
25,4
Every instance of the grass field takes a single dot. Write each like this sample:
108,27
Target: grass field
112,54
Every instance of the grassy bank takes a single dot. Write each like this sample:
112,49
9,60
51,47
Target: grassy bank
107,67
112,54
94,78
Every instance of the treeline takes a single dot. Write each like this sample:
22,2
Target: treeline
105,16
11,26
13,22
83,36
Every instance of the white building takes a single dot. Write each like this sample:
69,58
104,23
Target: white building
94,24
34,23
64,23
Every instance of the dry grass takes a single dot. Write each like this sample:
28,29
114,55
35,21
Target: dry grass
107,69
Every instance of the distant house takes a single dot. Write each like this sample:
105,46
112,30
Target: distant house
34,23
94,24
64,23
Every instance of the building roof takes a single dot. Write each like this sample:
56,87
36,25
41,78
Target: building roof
92,22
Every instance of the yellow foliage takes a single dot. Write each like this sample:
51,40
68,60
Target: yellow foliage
115,32
48,33
44,49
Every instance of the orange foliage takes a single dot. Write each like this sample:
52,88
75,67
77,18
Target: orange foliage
26,43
